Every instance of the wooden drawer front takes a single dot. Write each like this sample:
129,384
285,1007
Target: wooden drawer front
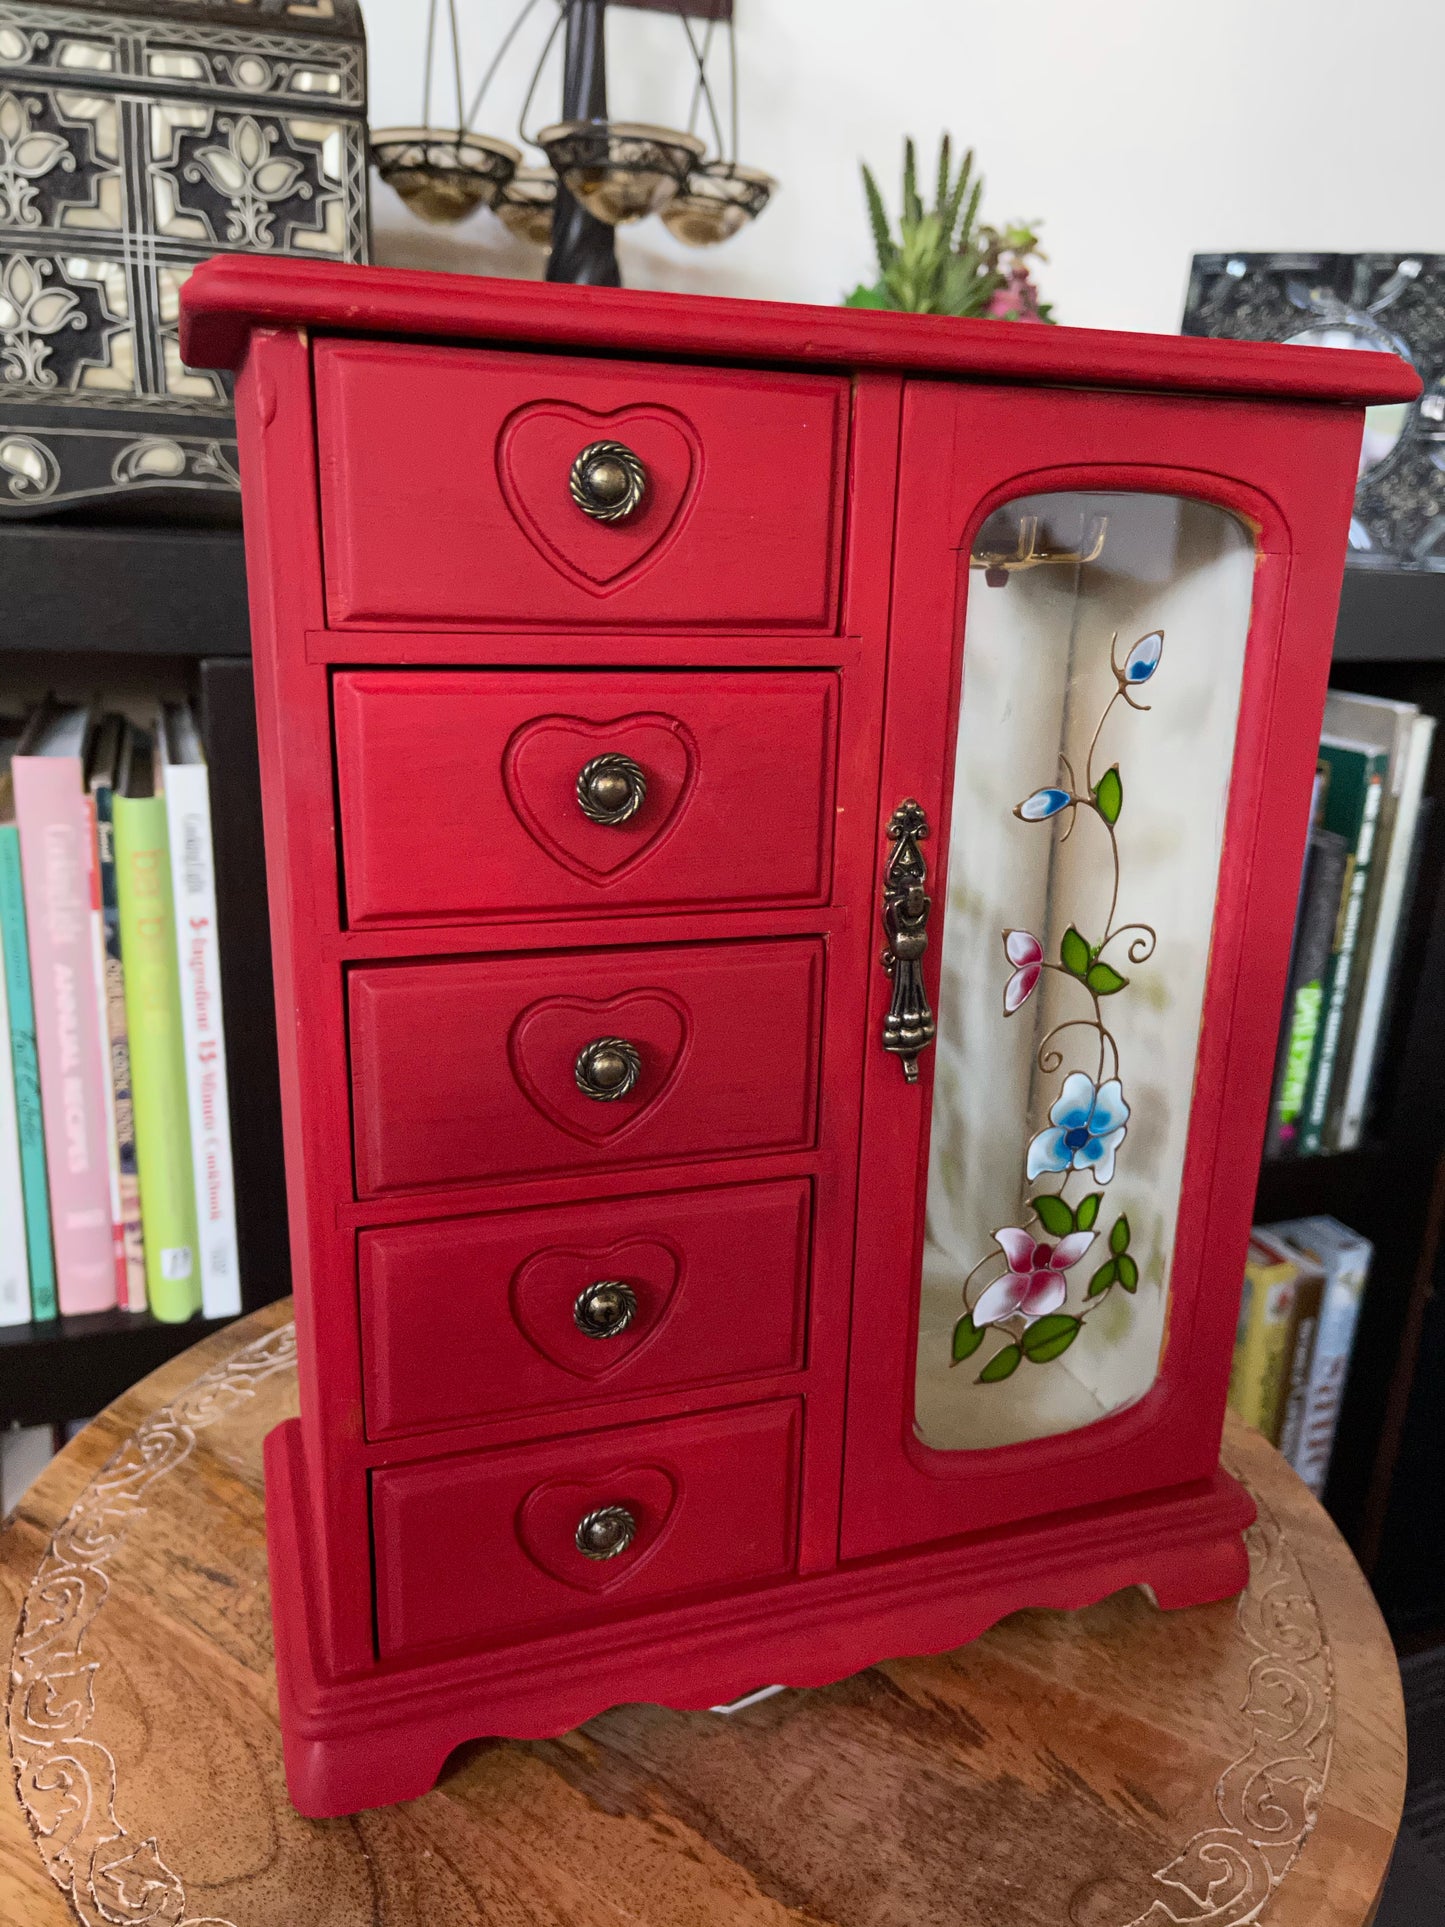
459,792
476,1548
466,1320
466,1071
445,490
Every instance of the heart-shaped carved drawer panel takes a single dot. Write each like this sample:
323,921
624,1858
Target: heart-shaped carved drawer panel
474,1317
475,1069
471,1550
447,490
467,795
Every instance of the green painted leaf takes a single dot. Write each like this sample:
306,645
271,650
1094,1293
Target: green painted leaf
1104,980
1047,1337
1103,1278
1128,1273
1074,953
1119,1236
1109,794
1054,1215
967,1337
1088,1211
1002,1365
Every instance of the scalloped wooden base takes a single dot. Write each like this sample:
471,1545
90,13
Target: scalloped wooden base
372,1738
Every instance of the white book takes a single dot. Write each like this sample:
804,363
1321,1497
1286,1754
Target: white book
14,1259
1387,930
1345,1256
193,879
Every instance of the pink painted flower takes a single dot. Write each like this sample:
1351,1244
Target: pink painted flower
1026,954
1034,1283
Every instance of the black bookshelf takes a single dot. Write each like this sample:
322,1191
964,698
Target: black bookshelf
1388,1471
81,600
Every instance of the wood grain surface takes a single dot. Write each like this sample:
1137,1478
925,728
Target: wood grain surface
1117,1767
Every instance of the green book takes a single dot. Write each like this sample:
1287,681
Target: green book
1356,791
34,1185
157,1048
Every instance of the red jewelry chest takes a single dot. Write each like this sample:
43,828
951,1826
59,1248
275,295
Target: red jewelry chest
765,806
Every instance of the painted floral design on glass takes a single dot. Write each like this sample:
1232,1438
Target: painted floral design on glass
1032,1294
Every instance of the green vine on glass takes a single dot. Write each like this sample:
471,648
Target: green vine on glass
1027,1304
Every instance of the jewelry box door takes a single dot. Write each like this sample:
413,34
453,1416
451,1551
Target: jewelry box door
1108,654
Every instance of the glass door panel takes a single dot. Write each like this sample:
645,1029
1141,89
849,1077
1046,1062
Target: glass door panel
1102,664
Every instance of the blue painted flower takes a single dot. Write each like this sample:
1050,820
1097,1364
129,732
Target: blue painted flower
1042,804
1143,659
1088,1128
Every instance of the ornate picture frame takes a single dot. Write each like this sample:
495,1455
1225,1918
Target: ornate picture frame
1389,302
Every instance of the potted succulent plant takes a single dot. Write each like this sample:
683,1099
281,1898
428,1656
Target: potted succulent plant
943,260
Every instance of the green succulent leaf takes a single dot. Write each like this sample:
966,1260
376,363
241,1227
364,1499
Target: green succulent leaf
874,297
1002,1365
1054,1215
878,221
1128,1273
1088,1211
1074,953
967,1337
1047,1337
1104,980
1109,794
1119,1236
1103,1278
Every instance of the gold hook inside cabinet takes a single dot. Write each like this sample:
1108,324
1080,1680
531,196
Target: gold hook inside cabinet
999,564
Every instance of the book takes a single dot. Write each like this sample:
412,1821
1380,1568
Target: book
1383,936
1345,1257
1353,799
157,1044
57,859
193,884
1258,1379
24,1064
1304,1330
105,759
14,1261
1321,887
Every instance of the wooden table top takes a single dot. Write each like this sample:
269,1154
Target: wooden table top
1111,1768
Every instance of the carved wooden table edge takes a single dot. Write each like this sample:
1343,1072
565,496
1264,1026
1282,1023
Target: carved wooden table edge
1300,1829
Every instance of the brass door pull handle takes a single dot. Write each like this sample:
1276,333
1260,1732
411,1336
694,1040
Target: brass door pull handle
608,481
909,1027
606,1309
611,788
607,1068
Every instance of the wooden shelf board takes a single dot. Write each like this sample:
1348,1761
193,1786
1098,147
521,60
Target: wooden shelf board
86,590
1391,615
66,1368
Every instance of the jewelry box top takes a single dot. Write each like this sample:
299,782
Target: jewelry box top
229,295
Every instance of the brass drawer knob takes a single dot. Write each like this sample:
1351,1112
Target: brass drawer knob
607,1068
608,481
611,788
606,1532
605,1309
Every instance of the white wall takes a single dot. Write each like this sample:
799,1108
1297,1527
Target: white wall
1138,131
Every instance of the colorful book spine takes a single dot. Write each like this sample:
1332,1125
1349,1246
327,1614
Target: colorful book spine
1346,1257
102,1044
1352,807
1320,894
157,1057
34,1183
193,882
53,816
1258,1382
117,1034
14,1264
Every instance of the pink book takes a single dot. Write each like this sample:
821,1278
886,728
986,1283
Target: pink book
56,858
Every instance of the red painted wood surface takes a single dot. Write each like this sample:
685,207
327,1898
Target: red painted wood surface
1291,477
464,1322
466,1071
227,296
435,988
458,793
474,1549
445,497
